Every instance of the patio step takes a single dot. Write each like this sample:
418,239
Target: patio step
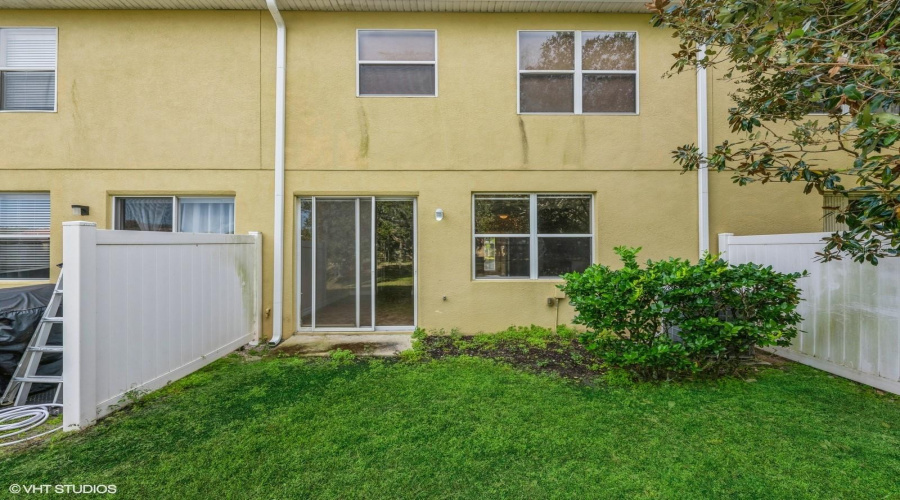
374,344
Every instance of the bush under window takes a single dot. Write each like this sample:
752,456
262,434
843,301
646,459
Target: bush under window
673,318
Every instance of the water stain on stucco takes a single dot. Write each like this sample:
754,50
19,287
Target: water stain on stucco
76,117
583,139
524,141
363,132
74,97
573,149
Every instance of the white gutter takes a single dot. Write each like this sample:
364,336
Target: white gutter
278,286
703,147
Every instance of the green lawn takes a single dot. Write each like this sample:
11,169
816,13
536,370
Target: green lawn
471,428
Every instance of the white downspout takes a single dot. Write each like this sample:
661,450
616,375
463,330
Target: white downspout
278,281
703,146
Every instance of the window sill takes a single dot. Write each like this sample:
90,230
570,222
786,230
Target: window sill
518,280
28,111
405,96
520,113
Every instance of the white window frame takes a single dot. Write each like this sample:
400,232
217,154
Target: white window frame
410,63
176,204
532,235
29,237
845,110
578,74
55,69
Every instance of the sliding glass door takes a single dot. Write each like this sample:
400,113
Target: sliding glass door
356,263
395,257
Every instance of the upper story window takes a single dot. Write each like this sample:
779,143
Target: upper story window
580,72
396,63
24,236
27,69
172,213
531,235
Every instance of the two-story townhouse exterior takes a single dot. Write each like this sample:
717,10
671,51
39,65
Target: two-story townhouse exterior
444,160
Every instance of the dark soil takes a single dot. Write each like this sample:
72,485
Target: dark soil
568,359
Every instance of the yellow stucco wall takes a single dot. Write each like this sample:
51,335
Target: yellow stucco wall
773,208
473,124
183,103
144,90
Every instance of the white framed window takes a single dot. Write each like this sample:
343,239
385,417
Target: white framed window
28,69
578,72
396,63
189,214
531,235
822,109
892,108
24,236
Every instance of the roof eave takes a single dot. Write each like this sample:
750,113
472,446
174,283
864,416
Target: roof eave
485,6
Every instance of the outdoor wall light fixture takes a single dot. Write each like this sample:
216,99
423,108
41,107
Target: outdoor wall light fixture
503,216
439,214
81,210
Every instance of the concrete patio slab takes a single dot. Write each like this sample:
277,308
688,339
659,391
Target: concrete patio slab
374,344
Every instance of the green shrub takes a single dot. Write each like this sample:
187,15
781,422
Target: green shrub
672,318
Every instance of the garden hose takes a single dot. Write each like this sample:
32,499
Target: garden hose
18,419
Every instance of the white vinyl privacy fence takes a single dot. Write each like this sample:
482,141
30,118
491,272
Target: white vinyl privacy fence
851,311
141,309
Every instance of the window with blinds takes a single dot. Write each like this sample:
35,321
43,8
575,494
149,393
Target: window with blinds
27,69
24,236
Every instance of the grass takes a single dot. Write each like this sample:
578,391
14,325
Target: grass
472,428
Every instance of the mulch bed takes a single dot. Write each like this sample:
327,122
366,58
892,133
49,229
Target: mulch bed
568,359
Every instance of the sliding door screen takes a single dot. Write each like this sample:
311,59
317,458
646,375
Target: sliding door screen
395,257
356,263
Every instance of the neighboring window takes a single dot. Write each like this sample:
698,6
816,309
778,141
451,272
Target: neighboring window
832,205
396,63
822,108
579,72
532,235
168,213
27,69
892,108
24,236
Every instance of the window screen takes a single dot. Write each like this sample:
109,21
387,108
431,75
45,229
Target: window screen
397,63
24,236
532,235
27,69
578,72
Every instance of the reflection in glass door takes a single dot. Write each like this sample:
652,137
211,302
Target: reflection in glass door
395,286
338,241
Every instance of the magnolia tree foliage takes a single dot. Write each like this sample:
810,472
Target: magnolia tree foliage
791,59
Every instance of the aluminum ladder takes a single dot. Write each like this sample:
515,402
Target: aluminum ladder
26,373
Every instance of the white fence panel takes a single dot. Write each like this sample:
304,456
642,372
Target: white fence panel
851,311
141,309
